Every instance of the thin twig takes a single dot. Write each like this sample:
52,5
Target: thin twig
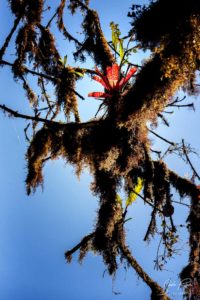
6,43
53,17
189,161
177,100
162,138
50,122
181,203
48,77
157,152
148,202
163,119
182,105
27,117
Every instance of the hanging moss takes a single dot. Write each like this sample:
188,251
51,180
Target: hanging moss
95,43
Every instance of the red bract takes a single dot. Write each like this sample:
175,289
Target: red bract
111,81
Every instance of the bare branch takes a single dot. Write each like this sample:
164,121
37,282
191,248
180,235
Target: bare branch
52,18
189,161
177,100
27,117
162,138
183,105
6,43
48,77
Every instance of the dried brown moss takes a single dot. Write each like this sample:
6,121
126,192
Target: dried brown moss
162,18
191,272
95,43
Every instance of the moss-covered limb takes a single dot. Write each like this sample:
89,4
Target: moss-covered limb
60,22
7,40
35,43
108,232
82,4
184,186
26,40
110,212
116,246
27,70
36,155
191,273
188,160
53,79
95,43
83,242
15,114
150,94
173,65
153,23
157,292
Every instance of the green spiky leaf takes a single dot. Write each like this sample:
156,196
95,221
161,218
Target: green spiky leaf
119,199
115,34
121,49
79,73
133,194
63,60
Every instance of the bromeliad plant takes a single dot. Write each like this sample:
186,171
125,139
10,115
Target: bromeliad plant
112,81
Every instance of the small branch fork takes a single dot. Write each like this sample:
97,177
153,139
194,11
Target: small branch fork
69,253
45,76
47,121
188,160
158,292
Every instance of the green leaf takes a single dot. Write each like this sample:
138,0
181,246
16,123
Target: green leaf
133,194
115,34
79,73
65,60
121,49
128,220
114,40
119,199
61,60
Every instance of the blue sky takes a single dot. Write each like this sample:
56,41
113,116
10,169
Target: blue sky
36,230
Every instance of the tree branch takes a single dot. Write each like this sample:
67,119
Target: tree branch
162,138
6,43
158,292
82,5
189,161
68,254
27,117
48,77
49,122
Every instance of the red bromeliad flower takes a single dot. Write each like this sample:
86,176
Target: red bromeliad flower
111,81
